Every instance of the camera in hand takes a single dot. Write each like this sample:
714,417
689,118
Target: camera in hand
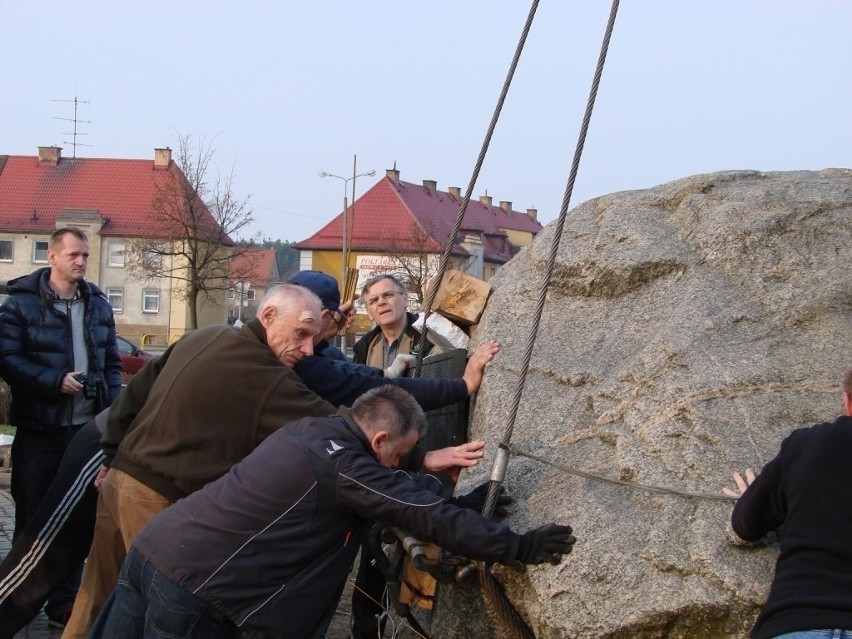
90,387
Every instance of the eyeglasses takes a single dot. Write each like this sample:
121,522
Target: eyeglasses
385,297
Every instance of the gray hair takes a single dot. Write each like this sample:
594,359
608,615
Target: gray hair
400,287
391,409
282,297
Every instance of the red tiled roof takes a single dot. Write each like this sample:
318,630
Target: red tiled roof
261,262
393,216
32,195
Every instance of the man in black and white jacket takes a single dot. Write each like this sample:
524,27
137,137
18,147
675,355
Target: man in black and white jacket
267,547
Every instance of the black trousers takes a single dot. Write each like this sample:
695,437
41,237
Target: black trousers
367,595
51,548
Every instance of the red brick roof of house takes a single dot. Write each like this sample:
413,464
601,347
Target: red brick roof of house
261,263
33,192
403,217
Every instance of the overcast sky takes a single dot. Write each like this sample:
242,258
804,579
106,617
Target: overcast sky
288,89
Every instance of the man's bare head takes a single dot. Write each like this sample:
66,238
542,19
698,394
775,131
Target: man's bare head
392,421
291,316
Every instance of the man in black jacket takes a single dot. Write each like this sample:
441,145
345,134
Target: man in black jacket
807,489
394,334
267,547
59,356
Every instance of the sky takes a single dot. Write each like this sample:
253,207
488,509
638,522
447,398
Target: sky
283,90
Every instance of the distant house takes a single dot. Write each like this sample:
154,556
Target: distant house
113,201
401,227
252,273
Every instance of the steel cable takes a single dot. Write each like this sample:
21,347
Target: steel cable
445,257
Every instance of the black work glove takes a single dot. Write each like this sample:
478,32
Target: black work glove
476,499
546,543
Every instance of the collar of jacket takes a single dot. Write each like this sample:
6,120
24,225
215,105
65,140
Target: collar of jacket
48,295
360,435
256,328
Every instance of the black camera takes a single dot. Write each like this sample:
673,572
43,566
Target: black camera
90,386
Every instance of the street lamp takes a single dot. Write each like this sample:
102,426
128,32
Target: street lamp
346,221
242,289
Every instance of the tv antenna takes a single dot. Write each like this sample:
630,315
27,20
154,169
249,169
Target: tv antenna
74,144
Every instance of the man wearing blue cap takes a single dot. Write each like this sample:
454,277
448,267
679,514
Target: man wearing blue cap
334,316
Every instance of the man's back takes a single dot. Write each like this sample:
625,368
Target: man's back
292,513
807,488
219,394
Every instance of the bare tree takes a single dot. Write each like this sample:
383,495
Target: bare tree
416,260
195,216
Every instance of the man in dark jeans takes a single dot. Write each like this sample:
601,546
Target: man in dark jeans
806,492
59,356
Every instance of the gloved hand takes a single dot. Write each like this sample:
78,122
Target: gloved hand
476,498
545,543
401,363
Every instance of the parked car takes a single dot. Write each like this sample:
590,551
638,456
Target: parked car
133,358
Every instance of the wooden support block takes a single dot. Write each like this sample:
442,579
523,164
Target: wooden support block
461,298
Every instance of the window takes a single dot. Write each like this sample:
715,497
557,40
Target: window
7,250
230,293
151,300
116,254
250,294
40,251
116,299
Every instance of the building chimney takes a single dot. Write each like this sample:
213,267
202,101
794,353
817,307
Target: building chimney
431,186
393,174
506,206
49,155
485,200
162,158
455,192
533,214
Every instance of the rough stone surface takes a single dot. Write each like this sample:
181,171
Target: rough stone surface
687,330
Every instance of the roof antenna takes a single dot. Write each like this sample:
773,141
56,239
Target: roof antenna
74,144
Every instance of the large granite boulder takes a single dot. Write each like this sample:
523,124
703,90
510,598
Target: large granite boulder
688,329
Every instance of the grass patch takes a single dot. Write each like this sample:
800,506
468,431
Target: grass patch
7,430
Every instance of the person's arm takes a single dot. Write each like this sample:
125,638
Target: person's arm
381,494
112,362
29,378
290,400
761,506
128,404
339,382
453,458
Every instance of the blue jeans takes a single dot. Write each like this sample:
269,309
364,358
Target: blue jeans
147,605
817,634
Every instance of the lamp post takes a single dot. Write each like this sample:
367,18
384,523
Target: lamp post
242,288
346,220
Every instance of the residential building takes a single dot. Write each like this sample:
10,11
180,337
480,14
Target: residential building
114,201
253,271
402,228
